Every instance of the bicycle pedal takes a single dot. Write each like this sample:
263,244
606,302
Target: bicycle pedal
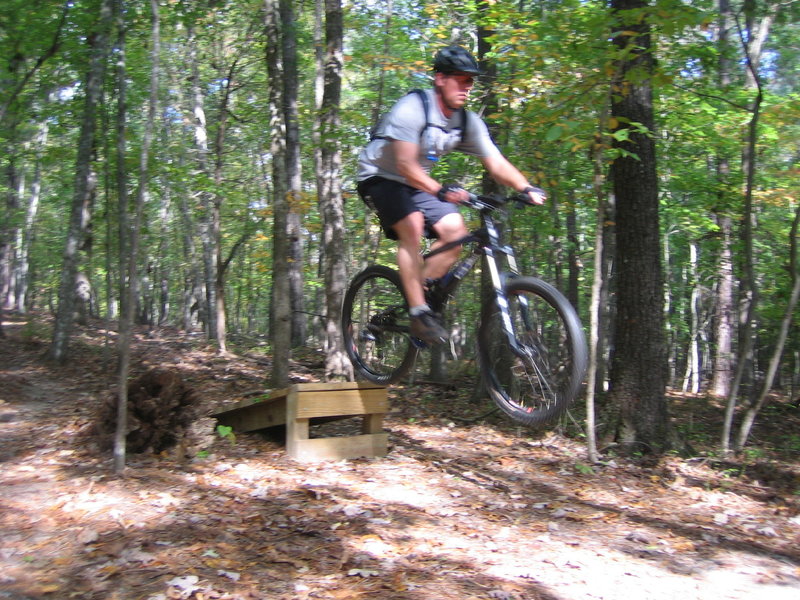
366,336
418,343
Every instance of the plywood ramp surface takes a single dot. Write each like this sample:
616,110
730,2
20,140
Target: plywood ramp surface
298,405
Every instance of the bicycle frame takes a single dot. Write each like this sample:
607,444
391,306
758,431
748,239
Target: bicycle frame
532,373
486,240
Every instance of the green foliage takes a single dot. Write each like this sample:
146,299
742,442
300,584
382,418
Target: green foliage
552,72
226,433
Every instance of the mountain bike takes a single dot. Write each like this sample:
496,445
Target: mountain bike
531,347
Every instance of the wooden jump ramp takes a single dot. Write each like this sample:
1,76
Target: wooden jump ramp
304,404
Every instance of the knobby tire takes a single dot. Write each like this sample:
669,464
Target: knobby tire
538,386
375,325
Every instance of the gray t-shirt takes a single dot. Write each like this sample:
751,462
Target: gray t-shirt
405,121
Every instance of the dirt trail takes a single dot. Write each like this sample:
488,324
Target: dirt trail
453,512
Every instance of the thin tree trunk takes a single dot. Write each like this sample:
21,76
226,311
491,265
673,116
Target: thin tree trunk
378,107
280,309
723,355
294,235
574,272
24,259
595,316
209,219
85,185
10,231
337,364
786,323
219,308
129,260
752,50
691,378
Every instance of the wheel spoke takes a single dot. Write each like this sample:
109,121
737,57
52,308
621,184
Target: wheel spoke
535,381
375,326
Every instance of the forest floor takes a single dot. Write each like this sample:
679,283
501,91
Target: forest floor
455,511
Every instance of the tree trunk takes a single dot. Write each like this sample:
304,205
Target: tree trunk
598,285
378,107
337,365
209,221
280,310
9,228
724,325
753,410
573,260
723,355
85,184
753,47
127,258
294,236
24,259
219,308
638,377
691,377
130,231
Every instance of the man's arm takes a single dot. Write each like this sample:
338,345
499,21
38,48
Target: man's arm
504,173
407,157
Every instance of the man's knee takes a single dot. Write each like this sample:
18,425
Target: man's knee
450,227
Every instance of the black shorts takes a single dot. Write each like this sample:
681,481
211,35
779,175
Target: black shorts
394,201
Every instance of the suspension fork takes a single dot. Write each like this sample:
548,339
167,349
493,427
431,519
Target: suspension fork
500,300
498,280
525,315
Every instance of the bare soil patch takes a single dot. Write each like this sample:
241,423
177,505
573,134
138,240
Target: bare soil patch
457,510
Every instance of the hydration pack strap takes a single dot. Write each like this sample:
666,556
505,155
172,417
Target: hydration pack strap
423,96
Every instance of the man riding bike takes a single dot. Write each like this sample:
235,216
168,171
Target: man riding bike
394,177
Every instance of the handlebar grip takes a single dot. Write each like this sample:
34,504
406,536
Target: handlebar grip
492,202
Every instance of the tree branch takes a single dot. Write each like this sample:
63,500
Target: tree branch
39,62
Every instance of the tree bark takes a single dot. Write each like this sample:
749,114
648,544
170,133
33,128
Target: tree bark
280,309
337,364
752,45
220,266
130,233
723,355
24,258
639,373
9,229
691,377
753,410
85,185
127,258
209,221
724,322
294,237
599,291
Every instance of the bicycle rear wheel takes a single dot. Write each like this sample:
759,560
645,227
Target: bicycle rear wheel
536,383
375,326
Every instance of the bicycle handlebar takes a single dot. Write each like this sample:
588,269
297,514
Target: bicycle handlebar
494,202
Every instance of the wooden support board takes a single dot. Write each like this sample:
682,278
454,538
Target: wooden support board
301,404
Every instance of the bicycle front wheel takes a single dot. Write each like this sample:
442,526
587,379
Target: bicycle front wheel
534,379
375,326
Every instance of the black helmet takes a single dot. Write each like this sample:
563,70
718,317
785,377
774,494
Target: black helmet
454,59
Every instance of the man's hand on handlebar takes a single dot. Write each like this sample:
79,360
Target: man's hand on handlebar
455,194
534,195
452,193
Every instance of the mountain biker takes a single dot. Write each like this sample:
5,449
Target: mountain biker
394,178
